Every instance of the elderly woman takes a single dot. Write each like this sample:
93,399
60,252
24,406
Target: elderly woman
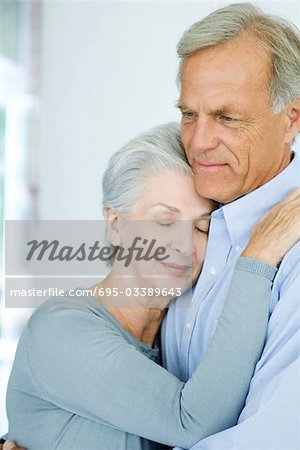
87,372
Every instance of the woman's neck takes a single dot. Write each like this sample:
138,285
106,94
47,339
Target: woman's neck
142,322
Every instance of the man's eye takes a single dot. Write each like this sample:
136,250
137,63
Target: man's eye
188,114
227,119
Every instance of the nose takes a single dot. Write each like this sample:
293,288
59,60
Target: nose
181,239
202,135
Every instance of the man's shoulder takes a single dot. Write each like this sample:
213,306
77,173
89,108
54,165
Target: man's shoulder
286,288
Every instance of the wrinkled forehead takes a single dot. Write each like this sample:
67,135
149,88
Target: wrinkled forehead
240,62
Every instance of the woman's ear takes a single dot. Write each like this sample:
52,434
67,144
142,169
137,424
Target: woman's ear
292,126
112,227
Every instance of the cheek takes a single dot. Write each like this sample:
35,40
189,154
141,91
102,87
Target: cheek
159,237
239,150
249,142
196,271
186,134
199,245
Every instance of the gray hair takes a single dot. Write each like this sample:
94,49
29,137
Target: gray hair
278,36
130,168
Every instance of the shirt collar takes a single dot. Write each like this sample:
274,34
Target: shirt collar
241,215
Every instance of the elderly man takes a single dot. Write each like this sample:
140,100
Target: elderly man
240,105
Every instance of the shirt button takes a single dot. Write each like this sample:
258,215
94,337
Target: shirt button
188,325
213,270
238,249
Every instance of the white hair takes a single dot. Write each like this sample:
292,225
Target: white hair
279,37
130,168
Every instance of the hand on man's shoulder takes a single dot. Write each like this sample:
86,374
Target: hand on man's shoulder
10,445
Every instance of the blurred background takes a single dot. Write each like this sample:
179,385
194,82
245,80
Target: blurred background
77,80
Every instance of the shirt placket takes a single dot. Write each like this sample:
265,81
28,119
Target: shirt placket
215,261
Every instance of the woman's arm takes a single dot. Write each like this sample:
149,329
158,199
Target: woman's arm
82,364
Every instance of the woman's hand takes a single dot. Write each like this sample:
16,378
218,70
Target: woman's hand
10,445
276,233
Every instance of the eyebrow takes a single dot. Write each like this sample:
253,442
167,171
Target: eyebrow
182,106
223,110
171,208
206,216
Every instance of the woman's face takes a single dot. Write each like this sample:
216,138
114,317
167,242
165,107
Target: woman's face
171,214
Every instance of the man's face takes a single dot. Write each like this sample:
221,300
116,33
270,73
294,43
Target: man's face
232,139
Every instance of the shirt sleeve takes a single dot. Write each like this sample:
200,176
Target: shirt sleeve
270,419
82,364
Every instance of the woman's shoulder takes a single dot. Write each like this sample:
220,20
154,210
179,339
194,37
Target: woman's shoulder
68,311
72,299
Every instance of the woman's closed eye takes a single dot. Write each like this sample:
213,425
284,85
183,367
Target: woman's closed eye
202,226
201,230
165,223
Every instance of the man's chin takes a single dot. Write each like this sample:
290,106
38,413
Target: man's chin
208,190
215,191
215,183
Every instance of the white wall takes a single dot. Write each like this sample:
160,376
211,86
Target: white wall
108,72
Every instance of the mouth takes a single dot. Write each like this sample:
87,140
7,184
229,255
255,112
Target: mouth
210,167
177,269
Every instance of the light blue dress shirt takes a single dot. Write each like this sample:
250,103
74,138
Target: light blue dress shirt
270,419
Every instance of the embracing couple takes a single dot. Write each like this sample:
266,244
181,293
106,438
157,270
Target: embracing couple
219,371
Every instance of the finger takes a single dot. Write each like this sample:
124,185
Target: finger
10,445
294,194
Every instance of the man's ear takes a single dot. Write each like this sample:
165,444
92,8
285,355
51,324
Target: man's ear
292,126
112,227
